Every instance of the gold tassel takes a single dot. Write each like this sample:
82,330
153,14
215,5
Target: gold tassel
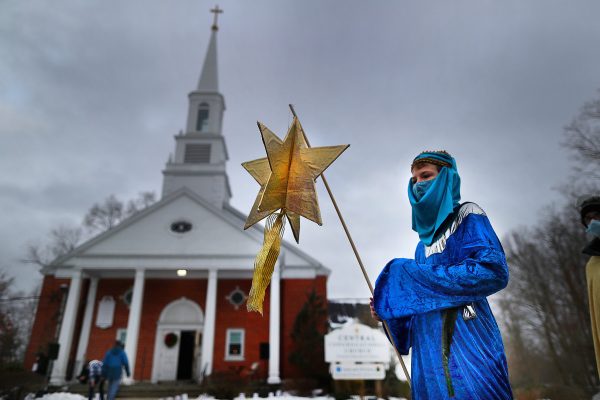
264,264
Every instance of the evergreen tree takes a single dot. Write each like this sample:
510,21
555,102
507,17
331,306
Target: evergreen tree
10,342
308,336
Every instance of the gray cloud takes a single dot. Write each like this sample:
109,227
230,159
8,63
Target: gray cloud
91,94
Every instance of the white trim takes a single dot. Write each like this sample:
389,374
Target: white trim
174,304
235,357
162,262
440,245
171,274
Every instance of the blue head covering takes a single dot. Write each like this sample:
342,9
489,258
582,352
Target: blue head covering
429,212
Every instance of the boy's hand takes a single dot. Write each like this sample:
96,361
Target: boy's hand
373,313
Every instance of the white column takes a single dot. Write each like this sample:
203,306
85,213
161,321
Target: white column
210,314
86,326
274,326
65,338
133,322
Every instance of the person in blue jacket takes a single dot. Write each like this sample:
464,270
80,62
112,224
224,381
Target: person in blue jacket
112,368
436,304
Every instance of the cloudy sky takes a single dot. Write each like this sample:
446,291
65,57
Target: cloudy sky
92,92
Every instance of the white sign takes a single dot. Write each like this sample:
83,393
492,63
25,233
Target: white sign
357,343
106,312
370,371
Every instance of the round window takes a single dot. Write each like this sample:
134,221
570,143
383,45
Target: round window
181,227
237,297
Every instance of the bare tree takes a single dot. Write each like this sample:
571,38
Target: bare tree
100,217
16,309
545,308
583,138
545,312
10,340
104,216
144,200
61,241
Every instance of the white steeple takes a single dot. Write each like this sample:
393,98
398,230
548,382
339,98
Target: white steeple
209,79
200,151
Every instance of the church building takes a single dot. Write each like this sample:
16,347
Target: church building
171,281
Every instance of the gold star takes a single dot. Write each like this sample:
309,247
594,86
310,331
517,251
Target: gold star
287,183
287,176
260,171
294,169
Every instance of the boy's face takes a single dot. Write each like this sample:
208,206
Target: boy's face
424,172
591,216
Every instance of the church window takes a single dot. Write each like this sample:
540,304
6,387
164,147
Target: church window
126,297
121,335
197,154
234,347
237,297
202,120
181,226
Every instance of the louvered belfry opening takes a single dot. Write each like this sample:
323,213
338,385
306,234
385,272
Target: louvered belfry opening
197,154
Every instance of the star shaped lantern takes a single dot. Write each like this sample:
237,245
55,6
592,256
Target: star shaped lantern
287,189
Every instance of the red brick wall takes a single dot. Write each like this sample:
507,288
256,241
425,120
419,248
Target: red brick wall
293,296
158,293
46,318
103,339
256,328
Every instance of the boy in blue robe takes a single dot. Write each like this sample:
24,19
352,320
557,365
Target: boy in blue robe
436,303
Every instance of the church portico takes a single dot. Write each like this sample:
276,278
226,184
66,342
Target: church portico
225,338
138,298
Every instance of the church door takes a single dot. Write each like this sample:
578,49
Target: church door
176,349
168,355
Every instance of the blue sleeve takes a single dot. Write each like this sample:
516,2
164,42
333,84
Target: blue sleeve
125,362
400,332
406,288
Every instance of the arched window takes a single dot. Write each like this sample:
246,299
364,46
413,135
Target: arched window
202,121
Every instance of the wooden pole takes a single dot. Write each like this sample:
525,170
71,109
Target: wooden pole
360,263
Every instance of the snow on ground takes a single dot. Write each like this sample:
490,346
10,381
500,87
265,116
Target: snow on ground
62,396
271,396
277,396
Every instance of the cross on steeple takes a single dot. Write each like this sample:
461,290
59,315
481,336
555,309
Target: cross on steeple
216,11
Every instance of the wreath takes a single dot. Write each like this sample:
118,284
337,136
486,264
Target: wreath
170,339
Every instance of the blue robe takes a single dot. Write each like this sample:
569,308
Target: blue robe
463,266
